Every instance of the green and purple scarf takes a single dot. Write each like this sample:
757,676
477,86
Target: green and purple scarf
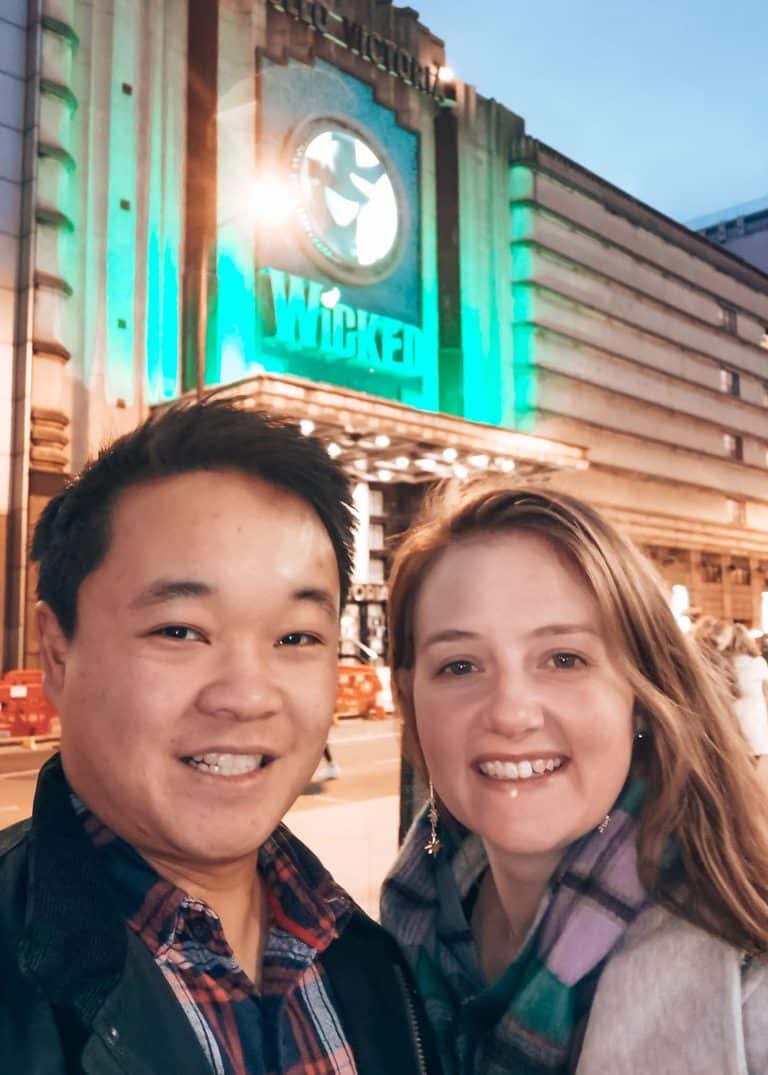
532,1020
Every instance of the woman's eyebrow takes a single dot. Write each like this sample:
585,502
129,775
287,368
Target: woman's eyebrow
565,629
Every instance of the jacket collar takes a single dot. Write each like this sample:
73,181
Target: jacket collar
74,942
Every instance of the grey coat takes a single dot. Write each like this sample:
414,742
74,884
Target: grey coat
672,1000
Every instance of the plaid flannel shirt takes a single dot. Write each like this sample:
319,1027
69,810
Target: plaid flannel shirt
290,1025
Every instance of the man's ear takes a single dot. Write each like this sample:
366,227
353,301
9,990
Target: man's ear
54,647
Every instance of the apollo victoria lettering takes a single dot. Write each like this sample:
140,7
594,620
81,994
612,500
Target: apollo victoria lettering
303,323
371,46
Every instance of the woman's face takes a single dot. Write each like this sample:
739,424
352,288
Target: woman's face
523,713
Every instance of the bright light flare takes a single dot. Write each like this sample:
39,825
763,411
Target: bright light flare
272,202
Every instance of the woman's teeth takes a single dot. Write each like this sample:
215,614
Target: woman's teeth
226,764
521,770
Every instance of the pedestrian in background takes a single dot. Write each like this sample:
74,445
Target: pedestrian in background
713,636
587,890
751,673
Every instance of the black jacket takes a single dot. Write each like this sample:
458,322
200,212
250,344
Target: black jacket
80,994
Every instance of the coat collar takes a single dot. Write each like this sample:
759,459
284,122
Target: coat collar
74,943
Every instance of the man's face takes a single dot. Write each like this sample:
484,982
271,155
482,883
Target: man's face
197,691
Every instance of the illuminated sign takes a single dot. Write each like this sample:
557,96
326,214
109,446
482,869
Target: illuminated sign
303,323
350,206
371,46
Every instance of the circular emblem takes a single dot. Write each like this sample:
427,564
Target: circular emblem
350,204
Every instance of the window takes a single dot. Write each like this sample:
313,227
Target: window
734,446
730,381
681,602
728,318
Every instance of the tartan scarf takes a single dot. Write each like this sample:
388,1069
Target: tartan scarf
532,1020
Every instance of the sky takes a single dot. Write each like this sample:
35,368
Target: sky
667,99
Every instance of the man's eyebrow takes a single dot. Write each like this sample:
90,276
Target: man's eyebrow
162,590
323,598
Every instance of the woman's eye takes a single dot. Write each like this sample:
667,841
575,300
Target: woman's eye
299,638
179,633
458,668
566,661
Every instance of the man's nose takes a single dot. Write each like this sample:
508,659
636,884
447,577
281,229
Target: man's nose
513,705
242,686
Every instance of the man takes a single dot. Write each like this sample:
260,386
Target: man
154,914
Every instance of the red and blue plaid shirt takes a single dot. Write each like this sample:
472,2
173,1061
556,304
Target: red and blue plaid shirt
289,1026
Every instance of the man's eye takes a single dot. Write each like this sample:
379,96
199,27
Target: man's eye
179,633
567,661
458,668
299,638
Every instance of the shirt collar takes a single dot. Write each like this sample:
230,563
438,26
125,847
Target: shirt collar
303,898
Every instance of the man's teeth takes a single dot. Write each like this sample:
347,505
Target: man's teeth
226,764
521,770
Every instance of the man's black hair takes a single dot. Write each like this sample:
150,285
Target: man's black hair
73,534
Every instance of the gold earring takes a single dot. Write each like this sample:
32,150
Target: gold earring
604,824
433,845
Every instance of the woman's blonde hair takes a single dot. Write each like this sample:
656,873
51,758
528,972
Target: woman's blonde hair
703,839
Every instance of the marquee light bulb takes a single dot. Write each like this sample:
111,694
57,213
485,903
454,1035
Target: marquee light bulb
381,440
307,426
384,475
334,451
450,455
481,461
329,299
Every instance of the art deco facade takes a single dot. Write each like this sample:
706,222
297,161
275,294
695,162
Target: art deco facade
293,200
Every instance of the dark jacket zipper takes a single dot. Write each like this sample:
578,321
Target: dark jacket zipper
413,1021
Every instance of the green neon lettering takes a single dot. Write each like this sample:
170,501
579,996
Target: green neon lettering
297,309
367,328
344,335
391,341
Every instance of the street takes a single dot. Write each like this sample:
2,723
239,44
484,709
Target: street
351,822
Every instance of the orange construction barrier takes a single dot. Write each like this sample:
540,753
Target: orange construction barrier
24,708
358,691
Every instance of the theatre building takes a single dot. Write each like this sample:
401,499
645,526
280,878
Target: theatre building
298,203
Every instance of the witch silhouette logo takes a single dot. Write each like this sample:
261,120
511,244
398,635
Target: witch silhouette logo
350,207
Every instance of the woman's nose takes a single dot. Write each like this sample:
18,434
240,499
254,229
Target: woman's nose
513,707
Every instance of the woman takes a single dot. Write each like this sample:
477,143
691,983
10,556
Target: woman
588,891
751,672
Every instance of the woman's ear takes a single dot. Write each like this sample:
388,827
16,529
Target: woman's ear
54,647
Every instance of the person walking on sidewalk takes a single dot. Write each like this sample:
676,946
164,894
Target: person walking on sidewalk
156,918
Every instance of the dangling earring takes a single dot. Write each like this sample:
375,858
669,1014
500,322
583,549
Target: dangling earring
433,845
604,824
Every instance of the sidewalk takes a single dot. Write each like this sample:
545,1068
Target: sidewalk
357,841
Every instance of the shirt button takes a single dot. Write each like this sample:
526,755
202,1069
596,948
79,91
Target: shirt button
114,1035
200,930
